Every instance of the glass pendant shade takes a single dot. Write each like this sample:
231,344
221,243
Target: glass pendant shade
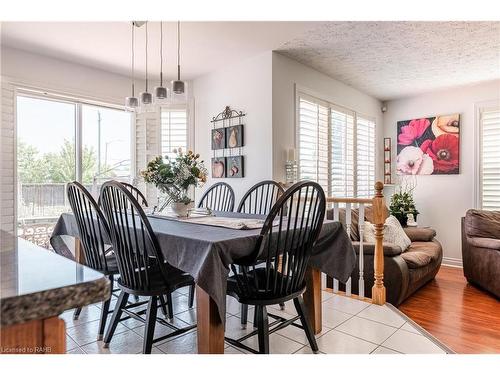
146,98
131,102
161,92
178,87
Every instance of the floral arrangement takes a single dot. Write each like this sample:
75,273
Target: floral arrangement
429,145
402,204
175,176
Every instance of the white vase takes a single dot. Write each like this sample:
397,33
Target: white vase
181,209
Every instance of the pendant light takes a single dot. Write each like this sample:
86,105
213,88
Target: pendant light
146,97
178,86
131,101
161,92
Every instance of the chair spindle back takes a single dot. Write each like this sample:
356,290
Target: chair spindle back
260,198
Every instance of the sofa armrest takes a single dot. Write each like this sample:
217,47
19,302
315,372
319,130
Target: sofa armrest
420,234
486,243
390,250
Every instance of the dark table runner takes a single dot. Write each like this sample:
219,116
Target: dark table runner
206,252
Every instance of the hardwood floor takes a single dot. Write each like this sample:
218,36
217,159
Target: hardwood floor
462,316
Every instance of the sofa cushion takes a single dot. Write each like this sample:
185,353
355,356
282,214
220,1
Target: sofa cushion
342,219
487,243
393,233
425,252
479,223
416,259
420,234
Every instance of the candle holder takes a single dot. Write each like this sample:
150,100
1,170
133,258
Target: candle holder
290,172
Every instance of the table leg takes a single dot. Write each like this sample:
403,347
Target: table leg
312,298
210,327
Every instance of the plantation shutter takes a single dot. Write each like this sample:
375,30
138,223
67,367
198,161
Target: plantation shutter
365,157
313,141
174,131
490,160
342,153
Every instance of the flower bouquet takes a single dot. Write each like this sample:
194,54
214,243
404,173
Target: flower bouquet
402,204
174,177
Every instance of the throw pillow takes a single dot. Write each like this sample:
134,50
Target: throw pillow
393,233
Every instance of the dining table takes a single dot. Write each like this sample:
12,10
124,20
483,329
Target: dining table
206,251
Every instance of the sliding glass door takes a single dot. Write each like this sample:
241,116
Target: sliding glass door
50,154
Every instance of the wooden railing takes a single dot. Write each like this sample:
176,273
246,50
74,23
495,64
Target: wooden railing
378,209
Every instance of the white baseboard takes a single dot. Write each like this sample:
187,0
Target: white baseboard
452,262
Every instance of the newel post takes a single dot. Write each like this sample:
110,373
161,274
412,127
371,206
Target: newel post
379,213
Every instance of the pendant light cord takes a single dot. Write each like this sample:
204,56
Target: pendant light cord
161,53
178,50
146,57
133,58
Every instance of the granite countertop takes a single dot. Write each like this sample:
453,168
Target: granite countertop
37,283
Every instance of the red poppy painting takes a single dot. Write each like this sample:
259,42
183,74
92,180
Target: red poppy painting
429,145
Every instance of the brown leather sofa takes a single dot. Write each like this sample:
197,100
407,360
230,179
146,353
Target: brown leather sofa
404,272
481,249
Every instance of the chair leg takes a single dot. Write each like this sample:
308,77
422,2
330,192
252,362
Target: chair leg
163,305
77,312
244,314
263,327
255,318
104,313
170,306
149,328
115,319
191,296
299,306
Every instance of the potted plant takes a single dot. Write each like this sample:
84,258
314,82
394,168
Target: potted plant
402,204
174,178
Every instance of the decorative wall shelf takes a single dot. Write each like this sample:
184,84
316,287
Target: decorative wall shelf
227,140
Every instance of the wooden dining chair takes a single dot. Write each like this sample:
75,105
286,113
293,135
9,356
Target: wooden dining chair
275,271
260,198
219,197
143,269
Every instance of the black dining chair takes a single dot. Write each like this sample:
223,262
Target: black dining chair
284,247
143,269
260,198
219,197
95,239
136,193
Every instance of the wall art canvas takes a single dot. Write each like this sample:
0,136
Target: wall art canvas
234,167
219,167
429,145
234,136
218,138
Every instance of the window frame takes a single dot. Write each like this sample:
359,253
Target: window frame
479,108
78,102
320,99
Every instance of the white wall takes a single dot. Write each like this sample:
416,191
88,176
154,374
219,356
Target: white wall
286,74
244,86
443,199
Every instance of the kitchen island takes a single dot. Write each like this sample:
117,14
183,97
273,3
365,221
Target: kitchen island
37,285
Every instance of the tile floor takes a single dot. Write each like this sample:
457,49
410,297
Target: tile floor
349,326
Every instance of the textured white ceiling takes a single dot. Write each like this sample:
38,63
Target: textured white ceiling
395,59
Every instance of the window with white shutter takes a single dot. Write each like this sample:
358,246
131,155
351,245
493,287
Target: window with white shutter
365,157
313,142
490,159
336,148
174,131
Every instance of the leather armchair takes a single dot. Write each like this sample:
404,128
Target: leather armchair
481,249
